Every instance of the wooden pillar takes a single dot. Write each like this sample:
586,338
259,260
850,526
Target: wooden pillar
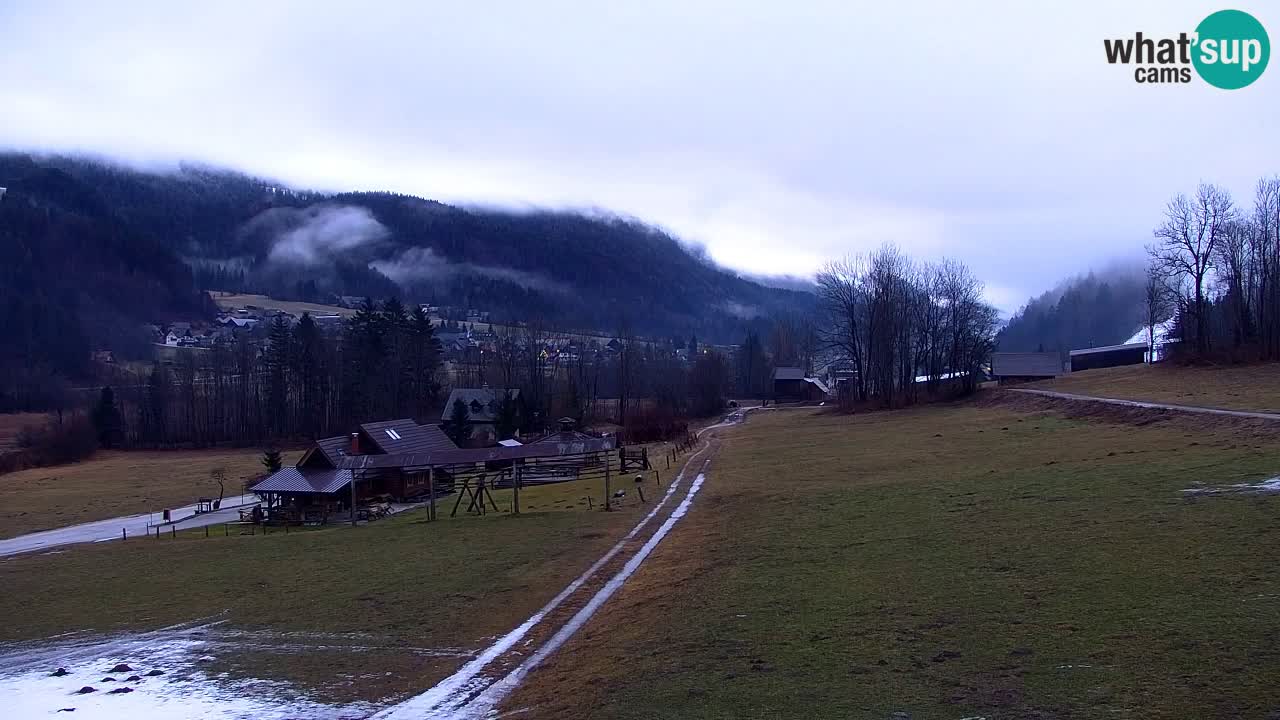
353,496
608,498
516,479
431,490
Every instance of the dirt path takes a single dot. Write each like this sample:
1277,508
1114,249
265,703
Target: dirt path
1150,405
480,686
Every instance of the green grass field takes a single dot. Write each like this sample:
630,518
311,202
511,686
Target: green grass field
114,483
948,562
1232,387
402,583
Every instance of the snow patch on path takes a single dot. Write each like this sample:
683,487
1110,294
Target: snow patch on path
470,694
455,690
486,702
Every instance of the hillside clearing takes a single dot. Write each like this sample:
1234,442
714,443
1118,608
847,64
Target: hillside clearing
1232,387
116,483
948,562
233,301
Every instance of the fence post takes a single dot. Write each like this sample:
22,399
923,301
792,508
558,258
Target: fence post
173,531
431,490
124,534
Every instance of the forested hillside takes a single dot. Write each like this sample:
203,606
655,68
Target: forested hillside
245,234
1089,311
74,276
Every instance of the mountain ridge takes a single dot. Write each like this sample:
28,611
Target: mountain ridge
203,228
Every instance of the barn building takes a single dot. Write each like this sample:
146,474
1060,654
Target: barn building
791,385
1108,356
1025,367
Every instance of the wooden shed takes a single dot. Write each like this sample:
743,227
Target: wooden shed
1025,367
1108,356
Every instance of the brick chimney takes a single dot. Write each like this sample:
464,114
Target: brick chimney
355,444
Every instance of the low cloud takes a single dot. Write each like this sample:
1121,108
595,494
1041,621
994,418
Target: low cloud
314,235
424,265
740,311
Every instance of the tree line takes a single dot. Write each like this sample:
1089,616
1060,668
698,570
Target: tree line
300,384
1215,268
1094,310
894,320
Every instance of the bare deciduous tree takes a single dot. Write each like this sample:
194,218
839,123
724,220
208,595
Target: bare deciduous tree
1187,242
894,320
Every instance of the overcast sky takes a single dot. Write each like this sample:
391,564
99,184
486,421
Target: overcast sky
778,134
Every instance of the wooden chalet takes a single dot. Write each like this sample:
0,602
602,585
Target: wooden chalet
320,486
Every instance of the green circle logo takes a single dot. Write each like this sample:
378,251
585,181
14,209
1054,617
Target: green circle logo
1232,49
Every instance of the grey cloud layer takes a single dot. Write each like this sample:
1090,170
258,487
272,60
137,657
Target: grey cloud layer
777,134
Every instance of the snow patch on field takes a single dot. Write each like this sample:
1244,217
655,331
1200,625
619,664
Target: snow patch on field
182,688
1270,485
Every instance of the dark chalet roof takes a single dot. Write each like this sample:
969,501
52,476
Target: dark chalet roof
397,437
788,373
334,448
294,480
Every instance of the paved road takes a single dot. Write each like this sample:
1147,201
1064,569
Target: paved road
135,525
1151,405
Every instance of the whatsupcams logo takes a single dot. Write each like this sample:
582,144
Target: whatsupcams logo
1229,50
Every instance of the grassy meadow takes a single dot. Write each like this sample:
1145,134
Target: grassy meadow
116,483
948,562
427,594
1232,387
